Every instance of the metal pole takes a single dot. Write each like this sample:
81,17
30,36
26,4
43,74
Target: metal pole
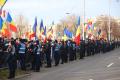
84,23
109,33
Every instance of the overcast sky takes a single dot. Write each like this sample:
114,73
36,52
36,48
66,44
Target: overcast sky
55,10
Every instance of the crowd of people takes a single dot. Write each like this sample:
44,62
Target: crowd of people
38,53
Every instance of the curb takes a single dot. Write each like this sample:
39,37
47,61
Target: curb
22,76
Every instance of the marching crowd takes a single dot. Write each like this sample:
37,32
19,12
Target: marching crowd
38,53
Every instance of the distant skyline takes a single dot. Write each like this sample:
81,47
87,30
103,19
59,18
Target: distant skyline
55,10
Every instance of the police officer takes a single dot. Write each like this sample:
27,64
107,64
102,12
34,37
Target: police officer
22,54
74,51
48,53
37,59
82,49
62,53
70,50
56,53
11,60
65,52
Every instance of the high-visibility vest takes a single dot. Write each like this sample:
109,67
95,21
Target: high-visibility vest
22,48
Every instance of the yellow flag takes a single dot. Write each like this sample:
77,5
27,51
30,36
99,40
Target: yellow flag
78,31
2,2
64,37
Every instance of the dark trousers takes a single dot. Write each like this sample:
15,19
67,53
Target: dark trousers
11,71
66,57
22,61
62,58
37,62
12,68
48,59
82,54
56,57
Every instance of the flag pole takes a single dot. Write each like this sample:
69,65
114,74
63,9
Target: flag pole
84,23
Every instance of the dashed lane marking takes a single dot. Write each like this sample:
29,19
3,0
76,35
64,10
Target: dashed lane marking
110,65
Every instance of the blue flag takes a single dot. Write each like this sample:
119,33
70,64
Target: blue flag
1,23
68,33
35,26
45,30
9,18
78,21
41,25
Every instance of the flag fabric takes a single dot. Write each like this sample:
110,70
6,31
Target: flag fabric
9,18
88,27
77,37
2,2
31,36
45,30
12,27
4,27
64,38
35,27
1,23
78,21
6,33
50,33
41,26
68,33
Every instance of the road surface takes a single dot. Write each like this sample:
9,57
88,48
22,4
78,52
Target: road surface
98,67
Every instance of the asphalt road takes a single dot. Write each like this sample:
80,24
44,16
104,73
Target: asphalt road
98,67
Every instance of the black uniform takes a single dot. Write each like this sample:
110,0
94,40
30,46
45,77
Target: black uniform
12,61
37,58
48,54
56,53
82,50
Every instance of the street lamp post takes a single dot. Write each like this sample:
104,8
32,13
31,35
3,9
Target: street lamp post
84,23
109,24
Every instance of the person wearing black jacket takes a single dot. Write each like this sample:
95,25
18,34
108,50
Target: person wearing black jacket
62,53
37,59
11,60
82,49
48,54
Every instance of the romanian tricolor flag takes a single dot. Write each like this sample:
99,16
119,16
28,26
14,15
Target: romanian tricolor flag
77,37
11,23
2,2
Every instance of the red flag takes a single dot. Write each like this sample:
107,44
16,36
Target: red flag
13,28
31,36
77,39
7,33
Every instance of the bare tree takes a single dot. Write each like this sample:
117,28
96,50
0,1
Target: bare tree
69,22
102,23
22,25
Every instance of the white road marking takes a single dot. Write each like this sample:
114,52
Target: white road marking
110,65
90,79
118,57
